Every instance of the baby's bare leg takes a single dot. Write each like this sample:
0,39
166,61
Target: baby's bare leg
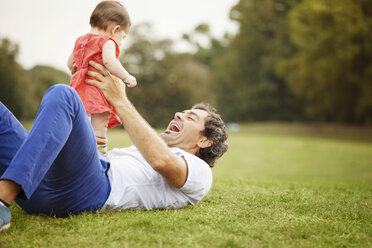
99,123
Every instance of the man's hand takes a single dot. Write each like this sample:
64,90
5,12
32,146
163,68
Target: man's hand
112,87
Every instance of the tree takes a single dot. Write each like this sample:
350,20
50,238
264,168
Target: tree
43,77
167,81
247,85
15,86
205,45
332,67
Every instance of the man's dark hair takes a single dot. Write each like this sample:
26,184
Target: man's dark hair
214,129
110,12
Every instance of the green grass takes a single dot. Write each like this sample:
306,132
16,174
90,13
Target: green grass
279,185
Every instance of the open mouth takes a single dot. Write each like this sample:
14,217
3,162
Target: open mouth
174,127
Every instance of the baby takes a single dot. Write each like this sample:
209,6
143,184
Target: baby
110,24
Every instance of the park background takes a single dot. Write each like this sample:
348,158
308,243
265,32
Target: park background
293,80
307,61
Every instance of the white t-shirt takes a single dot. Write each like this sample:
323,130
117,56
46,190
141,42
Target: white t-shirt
136,185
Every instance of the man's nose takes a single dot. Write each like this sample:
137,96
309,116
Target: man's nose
178,116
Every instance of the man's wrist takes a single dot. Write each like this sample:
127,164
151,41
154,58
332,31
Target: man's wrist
122,104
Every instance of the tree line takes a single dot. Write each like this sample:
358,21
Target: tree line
291,60
21,90
307,60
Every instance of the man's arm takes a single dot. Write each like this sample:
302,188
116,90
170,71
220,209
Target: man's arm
150,145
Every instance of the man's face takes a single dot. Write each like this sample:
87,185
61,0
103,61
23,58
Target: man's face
184,130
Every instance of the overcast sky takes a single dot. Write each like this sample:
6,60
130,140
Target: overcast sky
46,29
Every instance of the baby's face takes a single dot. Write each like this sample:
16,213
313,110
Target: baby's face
119,36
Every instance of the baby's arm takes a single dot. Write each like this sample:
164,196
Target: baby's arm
71,62
113,64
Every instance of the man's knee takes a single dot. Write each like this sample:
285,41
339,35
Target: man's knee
62,89
61,93
62,96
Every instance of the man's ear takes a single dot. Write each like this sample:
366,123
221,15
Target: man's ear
204,142
115,29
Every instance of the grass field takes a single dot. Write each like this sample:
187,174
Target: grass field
279,185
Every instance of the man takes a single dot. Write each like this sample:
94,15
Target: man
56,169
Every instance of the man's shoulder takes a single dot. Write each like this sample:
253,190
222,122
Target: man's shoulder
199,176
183,153
194,163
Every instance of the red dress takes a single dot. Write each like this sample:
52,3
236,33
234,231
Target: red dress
89,47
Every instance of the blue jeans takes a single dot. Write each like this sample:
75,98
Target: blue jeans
57,163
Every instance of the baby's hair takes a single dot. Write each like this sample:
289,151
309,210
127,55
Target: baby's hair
110,12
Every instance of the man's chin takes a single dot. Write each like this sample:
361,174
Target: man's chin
167,137
164,136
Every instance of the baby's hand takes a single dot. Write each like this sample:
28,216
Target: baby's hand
130,81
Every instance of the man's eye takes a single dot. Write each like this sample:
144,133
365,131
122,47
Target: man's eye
190,118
